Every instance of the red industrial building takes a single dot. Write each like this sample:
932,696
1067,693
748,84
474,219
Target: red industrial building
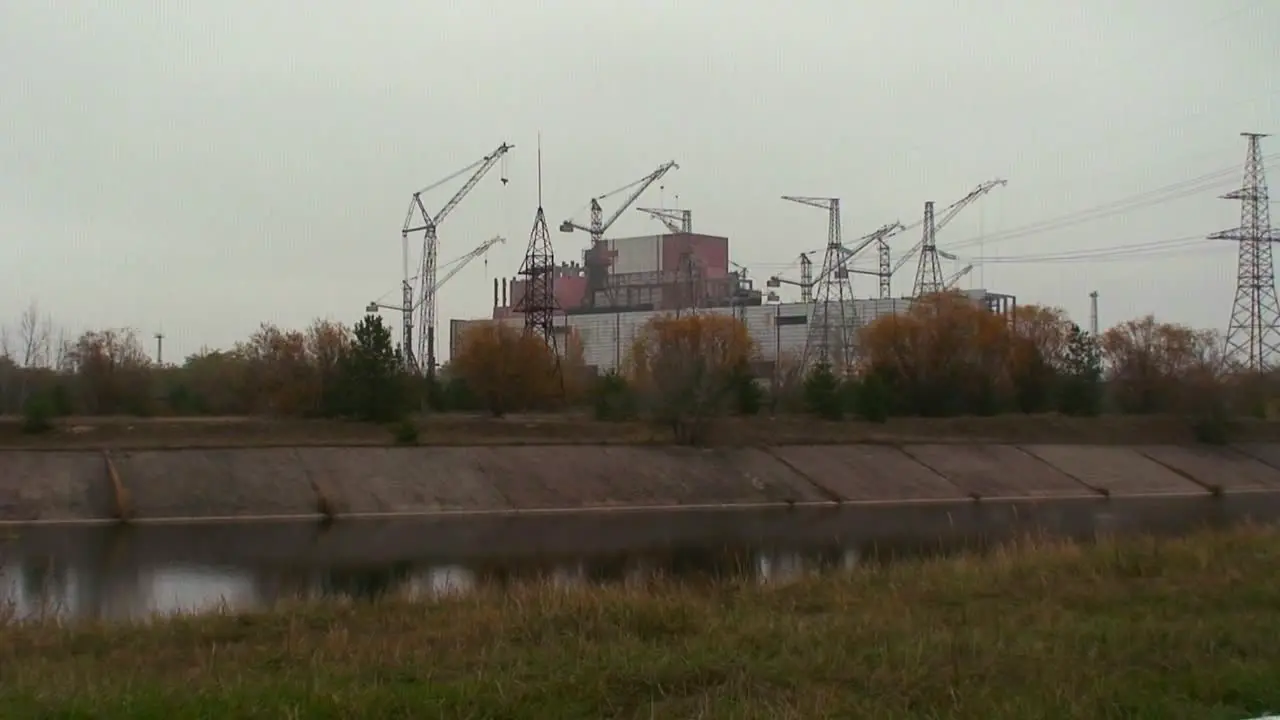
649,272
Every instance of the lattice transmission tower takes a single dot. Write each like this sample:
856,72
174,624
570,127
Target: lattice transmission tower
929,269
538,304
833,324
1253,333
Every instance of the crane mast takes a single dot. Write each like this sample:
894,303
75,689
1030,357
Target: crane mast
419,219
598,259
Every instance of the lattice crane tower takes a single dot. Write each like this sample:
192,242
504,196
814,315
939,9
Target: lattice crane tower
418,219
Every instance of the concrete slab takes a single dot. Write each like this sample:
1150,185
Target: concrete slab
232,482
1116,469
402,479
54,485
868,473
536,478
997,471
1267,453
581,477
740,475
1225,468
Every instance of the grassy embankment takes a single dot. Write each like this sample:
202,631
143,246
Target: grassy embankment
451,429
1136,629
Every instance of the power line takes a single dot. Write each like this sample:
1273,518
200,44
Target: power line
1158,196
1112,252
1190,187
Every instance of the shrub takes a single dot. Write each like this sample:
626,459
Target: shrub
685,370
405,432
823,395
37,414
748,395
873,399
508,369
612,398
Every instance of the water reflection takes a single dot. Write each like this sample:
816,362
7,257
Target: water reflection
141,592
137,572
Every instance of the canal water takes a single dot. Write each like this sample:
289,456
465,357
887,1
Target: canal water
137,571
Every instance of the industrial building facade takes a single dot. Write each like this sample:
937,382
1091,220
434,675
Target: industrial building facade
654,275
779,330
660,272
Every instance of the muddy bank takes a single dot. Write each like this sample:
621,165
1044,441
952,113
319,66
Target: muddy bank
40,485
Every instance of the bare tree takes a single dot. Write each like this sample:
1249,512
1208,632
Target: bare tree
6,351
34,335
62,351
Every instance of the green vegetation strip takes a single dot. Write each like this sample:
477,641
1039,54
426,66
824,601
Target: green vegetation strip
1133,629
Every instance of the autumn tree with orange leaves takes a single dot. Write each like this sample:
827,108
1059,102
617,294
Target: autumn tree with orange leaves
686,369
1163,367
1038,342
948,355
510,370
943,356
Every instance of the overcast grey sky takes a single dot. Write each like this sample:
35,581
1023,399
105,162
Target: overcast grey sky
199,167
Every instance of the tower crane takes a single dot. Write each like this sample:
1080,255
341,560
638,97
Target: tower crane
805,283
455,266
879,237
677,221
598,258
418,219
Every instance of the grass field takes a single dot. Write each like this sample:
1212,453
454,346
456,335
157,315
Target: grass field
1135,629
569,428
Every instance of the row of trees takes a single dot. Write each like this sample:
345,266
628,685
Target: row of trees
328,370
945,356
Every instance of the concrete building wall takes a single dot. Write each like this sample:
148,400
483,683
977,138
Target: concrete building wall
779,330
569,291
710,251
637,254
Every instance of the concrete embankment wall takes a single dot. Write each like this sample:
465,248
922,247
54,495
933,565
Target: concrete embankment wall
40,485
